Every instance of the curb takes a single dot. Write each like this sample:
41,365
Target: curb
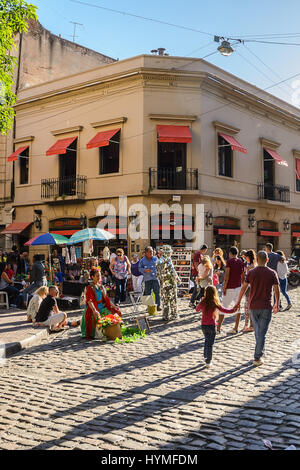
34,340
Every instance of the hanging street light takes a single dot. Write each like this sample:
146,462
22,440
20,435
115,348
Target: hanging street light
226,49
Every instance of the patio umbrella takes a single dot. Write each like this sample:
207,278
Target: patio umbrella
48,239
90,234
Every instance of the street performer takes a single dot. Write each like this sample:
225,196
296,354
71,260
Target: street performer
97,304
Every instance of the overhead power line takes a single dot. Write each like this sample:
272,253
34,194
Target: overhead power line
142,17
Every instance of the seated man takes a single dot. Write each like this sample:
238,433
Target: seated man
48,313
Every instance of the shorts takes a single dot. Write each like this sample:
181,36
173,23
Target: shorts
230,299
54,319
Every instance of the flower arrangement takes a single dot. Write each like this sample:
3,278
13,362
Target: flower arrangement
108,320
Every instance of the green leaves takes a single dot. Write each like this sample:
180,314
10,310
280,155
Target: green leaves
13,19
130,335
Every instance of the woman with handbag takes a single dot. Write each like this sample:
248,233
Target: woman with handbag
97,304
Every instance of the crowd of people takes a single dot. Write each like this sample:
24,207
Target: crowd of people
219,286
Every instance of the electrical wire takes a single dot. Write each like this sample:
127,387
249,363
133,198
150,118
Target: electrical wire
153,20
267,66
261,72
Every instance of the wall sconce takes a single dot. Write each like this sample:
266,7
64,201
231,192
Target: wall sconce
83,221
38,219
208,218
251,218
286,224
132,216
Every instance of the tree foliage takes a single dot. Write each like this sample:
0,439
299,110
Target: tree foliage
13,19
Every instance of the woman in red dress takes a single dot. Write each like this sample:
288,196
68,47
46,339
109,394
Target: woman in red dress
97,304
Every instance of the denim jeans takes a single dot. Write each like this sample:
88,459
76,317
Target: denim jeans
154,286
261,320
14,295
209,332
283,287
120,290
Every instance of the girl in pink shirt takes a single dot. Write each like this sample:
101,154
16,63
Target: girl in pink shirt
210,305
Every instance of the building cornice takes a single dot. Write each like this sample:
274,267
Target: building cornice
221,126
198,80
67,130
108,122
172,117
269,143
296,153
20,140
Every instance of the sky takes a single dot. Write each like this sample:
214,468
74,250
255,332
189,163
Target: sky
121,36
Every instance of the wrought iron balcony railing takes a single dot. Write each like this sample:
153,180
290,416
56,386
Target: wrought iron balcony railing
61,187
173,178
274,192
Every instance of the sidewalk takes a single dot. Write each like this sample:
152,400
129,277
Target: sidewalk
16,334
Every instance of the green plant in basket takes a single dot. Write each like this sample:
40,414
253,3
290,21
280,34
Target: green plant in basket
130,335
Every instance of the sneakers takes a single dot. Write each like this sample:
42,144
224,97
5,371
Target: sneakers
207,365
191,305
257,362
233,332
288,307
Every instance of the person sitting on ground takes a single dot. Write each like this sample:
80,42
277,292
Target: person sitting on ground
48,313
35,302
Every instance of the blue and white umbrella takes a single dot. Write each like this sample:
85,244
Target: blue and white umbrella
90,234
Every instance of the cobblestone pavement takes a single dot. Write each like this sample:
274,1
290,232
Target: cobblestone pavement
68,393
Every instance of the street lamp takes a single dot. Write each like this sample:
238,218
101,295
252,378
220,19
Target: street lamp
83,221
286,225
226,49
251,218
208,218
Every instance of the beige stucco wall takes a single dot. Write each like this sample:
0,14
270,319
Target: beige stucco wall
141,86
43,57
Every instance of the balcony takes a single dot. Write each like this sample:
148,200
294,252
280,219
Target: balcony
73,187
274,192
173,179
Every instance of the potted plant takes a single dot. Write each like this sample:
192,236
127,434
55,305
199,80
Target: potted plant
111,326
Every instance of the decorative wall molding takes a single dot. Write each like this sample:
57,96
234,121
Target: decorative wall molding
222,127
67,130
173,117
20,140
269,143
108,122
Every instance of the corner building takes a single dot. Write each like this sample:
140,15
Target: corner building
151,128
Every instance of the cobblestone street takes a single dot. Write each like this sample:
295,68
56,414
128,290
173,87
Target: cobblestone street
68,393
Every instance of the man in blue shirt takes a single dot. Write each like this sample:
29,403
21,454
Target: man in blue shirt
147,267
273,257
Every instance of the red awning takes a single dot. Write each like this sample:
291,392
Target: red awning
14,156
235,145
16,228
179,134
172,227
298,168
66,233
296,234
229,231
276,157
60,147
102,139
265,233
